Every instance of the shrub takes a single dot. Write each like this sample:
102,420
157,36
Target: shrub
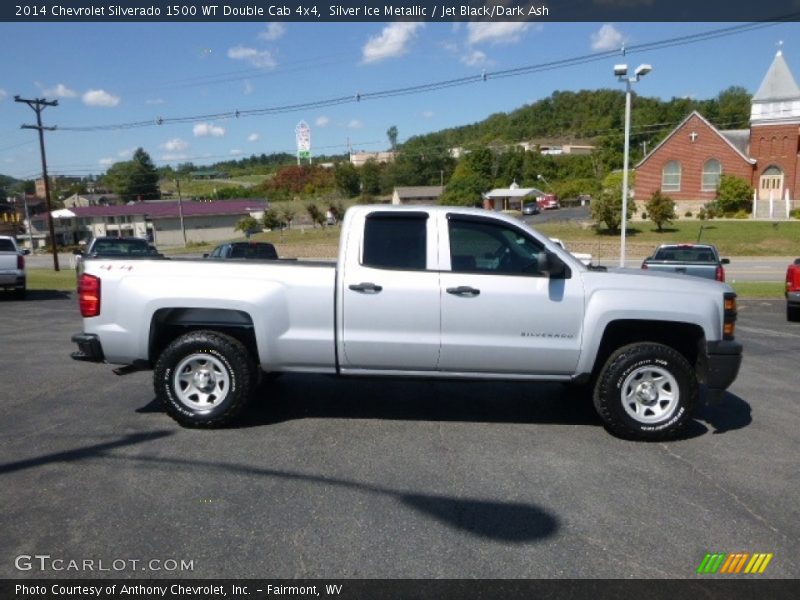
661,209
795,214
687,214
741,214
733,194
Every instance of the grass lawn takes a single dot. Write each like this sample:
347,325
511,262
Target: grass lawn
47,279
759,289
732,237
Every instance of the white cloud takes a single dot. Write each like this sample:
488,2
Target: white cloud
272,32
236,151
391,42
253,137
152,101
100,98
60,91
476,58
126,152
106,162
495,33
208,129
607,38
322,121
175,145
355,124
261,59
3,94
428,114
248,87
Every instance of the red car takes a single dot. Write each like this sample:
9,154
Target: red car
793,291
549,202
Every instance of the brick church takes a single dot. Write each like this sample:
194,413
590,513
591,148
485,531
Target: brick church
688,163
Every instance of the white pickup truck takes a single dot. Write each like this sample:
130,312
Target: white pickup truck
12,266
419,292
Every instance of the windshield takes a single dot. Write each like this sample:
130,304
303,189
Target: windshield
686,254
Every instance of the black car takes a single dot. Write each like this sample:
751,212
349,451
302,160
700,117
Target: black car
251,250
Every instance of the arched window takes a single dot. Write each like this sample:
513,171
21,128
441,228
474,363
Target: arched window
712,171
671,177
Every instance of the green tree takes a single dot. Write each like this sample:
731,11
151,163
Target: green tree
246,225
371,178
391,133
347,179
135,179
317,216
734,194
660,209
472,177
271,220
607,208
287,215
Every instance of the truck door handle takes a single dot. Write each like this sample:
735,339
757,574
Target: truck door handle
463,290
367,288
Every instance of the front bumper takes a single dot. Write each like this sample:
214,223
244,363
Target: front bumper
89,348
723,361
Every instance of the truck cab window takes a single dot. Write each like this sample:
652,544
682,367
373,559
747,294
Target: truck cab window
395,241
482,246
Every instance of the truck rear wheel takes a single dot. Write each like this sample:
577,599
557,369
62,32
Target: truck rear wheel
646,391
792,312
204,379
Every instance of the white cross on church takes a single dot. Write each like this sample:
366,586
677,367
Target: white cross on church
693,136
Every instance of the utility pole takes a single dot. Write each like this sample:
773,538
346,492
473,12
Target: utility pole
180,210
38,105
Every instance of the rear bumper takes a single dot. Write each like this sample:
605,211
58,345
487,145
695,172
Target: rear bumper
723,361
89,348
793,298
12,279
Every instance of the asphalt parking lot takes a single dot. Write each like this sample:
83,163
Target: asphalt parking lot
364,479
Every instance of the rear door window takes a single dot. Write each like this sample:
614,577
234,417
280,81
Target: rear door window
395,240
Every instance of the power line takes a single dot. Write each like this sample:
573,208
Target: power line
444,84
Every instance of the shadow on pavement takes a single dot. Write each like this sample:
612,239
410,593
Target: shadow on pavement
730,414
37,295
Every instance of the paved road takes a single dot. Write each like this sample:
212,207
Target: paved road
349,478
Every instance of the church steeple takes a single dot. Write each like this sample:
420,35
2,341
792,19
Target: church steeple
778,97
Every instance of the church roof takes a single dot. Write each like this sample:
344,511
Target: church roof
739,138
778,84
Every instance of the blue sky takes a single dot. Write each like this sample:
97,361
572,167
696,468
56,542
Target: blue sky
109,73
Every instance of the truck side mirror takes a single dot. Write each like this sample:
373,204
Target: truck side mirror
26,251
554,266
725,261
78,252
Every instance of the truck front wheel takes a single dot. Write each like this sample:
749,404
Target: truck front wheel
204,379
646,391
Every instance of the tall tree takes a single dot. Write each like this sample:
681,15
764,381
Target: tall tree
135,179
392,134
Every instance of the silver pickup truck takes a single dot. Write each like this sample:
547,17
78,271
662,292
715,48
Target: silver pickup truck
12,267
433,292
698,260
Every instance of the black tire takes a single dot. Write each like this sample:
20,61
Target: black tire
20,293
792,313
218,376
648,375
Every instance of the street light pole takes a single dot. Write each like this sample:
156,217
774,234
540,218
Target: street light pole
621,71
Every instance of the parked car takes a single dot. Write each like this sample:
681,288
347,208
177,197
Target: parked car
793,291
116,247
531,208
549,202
12,266
699,260
253,250
421,291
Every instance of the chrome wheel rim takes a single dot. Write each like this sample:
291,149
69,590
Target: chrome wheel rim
650,394
201,382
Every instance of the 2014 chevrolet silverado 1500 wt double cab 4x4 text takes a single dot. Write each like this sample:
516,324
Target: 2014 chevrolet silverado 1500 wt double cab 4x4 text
422,292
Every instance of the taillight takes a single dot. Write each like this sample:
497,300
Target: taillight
20,262
729,316
720,274
89,295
